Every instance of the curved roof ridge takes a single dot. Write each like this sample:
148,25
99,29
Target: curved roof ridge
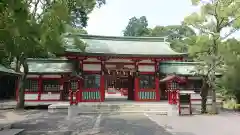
119,38
111,45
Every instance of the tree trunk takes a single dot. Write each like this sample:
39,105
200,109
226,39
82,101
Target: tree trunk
22,83
204,94
214,103
21,91
213,75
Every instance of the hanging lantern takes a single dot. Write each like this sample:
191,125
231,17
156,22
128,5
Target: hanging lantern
109,72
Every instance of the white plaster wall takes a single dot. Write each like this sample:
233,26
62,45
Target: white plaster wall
129,66
195,96
146,68
92,60
51,76
91,67
146,61
31,97
32,76
120,60
110,66
74,98
50,96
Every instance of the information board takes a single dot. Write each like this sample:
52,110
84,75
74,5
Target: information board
184,99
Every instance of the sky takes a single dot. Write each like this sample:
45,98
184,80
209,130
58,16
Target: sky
112,18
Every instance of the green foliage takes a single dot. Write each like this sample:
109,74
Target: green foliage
35,28
79,10
177,34
237,106
137,27
229,83
38,33
215,16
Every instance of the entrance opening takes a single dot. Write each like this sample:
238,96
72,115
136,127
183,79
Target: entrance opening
119,84
7,87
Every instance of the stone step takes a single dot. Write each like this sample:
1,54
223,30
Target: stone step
12,132
103,107
4,126
75,110
67,132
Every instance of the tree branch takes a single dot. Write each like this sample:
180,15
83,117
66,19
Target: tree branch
35,8
230,33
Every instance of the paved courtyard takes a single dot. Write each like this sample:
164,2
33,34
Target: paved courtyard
40,122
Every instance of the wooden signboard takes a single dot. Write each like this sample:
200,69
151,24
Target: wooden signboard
184,103
184,99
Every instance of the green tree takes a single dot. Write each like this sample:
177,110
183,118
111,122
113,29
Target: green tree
137,27
229,83
177,35
31,33
215,16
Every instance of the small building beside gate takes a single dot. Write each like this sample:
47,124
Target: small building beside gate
138,65
8,79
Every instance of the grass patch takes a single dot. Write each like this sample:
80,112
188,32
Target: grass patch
231,104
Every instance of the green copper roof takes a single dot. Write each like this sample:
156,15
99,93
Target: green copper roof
49,66
179,68
122,45
3,69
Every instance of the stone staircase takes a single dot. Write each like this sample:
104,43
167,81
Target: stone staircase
5,129
115,107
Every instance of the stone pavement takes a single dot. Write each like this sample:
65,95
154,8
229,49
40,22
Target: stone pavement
91,124
36,122
222,124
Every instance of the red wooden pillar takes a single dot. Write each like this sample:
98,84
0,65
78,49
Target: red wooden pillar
174,97
102,91
157,81
80,82
136,82
40,87
169,92
170,97
157,89
102,82
80,85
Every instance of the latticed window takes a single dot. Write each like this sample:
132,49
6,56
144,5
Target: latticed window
91,81
197,85
147,81
74,85
174,85
51,85
31,85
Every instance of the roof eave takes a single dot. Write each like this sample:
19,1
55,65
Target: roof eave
48,73
125,55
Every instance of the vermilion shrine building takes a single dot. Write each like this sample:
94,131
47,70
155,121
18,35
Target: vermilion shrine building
143,69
